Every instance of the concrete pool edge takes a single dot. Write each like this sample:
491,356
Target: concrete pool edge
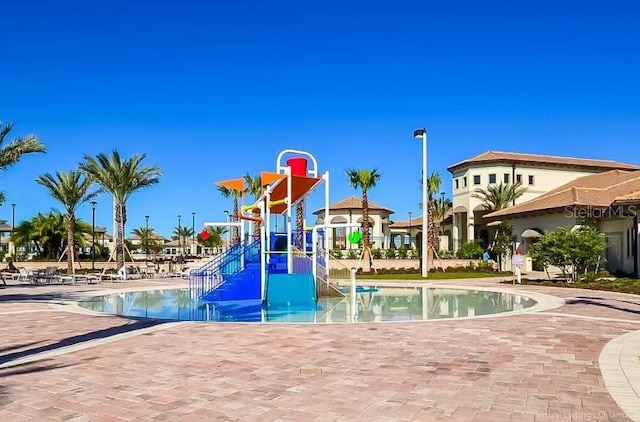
620,368
543,303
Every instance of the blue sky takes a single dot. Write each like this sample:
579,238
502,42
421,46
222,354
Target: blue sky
210,90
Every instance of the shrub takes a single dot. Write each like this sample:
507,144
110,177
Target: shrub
402,253
573,251
376,253
470,250
336,253
445,254
353,254
390,254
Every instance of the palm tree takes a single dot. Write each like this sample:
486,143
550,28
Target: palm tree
182,233
121,178
364,179
500,196
24,233
231,193
214,239
12,150
254,188
49,229
146,238
435,216
48,233
71,189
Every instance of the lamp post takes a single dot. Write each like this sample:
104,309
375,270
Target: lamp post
146,240
409,228
179,233
93,235
424,263
229,228
193,232
13,225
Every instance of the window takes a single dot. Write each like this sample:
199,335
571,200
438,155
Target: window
464,182
492,178
476,179
518,178
531,180
456,183
506,178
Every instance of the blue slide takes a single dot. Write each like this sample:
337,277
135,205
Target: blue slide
290,298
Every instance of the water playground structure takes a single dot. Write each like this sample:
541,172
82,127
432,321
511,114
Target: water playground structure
275,274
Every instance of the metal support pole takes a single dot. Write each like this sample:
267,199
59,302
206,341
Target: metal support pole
354,304
93,235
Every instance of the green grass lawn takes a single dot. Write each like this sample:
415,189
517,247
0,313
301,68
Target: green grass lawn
434,275
620,285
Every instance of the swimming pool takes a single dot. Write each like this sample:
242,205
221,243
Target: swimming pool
374,304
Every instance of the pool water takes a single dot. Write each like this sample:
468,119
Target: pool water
374,304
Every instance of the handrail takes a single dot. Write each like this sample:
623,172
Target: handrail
205,281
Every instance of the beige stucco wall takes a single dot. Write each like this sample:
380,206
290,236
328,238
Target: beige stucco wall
619,227
545,179
380,226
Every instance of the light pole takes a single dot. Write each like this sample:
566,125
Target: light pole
409,228
179,233
146,240
229,228
193,232
13,225
424,263
93,235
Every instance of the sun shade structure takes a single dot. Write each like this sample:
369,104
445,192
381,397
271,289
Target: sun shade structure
300,186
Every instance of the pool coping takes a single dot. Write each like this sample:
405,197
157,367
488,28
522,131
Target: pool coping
619,363
544,302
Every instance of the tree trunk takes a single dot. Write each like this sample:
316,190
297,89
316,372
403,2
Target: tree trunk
121,218
236,230
256,224
299,241
366,241
71,244
432,231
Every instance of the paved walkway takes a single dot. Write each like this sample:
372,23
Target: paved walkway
545,366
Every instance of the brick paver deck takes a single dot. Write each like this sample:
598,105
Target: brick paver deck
528,367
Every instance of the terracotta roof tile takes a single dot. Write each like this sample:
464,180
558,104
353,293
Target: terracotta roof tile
596,190
514,157
415,222
353,203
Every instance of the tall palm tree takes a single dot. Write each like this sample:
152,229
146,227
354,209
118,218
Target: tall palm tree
121,178
71,189
364,179
500,196
254,188
235,195
12,150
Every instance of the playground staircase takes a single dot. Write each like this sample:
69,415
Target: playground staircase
234,275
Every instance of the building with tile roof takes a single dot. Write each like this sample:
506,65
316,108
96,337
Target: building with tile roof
611,199
539,174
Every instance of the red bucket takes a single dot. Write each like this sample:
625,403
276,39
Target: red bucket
298,166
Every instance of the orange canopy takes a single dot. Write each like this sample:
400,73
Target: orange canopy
300,186
234,184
